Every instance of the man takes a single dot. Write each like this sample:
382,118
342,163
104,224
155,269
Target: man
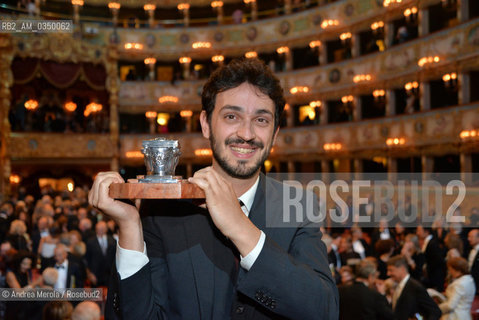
435,258
191,270
358,301
100,254
69,273
410,297
473,259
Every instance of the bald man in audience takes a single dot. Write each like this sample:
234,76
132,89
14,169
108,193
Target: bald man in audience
86,310
100,254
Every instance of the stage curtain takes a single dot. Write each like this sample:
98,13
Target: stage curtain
94,75
61,75
24,70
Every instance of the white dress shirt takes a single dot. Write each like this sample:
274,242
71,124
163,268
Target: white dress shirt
62,275
426,242
129,262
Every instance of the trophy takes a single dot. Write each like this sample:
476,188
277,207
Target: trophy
160,182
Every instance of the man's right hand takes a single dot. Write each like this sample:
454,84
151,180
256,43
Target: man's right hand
126,216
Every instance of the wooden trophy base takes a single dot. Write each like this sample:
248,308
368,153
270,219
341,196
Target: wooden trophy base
135,190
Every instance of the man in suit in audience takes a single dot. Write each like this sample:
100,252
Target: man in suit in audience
100,254
435,258
473,258
69,273
359,302
410,297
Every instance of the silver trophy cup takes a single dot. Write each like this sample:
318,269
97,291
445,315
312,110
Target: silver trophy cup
161,158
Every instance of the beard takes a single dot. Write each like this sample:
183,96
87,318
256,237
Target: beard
240,170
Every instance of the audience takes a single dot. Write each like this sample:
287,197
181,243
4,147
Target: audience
74,245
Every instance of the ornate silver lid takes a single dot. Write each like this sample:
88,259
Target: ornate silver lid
160,143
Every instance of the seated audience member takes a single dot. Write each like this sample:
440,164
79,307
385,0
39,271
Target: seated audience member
410,297
86,310
19,277
18,236
35,308
460,293
57,310
358,301
69,272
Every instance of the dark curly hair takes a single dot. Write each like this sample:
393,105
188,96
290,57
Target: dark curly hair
237,72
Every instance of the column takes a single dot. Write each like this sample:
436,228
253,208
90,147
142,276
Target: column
323,53
288,60
357,108
464,87
355,45
113,86
390,102
427,166
289,113
325,175
466,168
462,10
323,119
425,96
423,26
6,57
388,34
358,169
287,6
392,169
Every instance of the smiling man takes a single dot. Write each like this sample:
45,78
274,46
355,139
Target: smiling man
222,261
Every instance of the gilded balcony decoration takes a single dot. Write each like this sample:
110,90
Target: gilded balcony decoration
303,27
459,46
439,131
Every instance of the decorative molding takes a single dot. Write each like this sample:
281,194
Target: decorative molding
458,48
440,135
60,146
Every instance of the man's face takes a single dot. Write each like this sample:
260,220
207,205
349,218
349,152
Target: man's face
241,130
420,232
60,255
396,273
473,238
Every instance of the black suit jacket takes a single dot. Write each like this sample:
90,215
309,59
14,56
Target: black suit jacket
435,265
415,299
358,302
98,263
192,272
75,278
475,271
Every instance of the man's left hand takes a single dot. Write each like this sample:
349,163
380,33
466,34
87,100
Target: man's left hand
225,211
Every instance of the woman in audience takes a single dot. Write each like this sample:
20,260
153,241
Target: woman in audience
460,293
18,236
